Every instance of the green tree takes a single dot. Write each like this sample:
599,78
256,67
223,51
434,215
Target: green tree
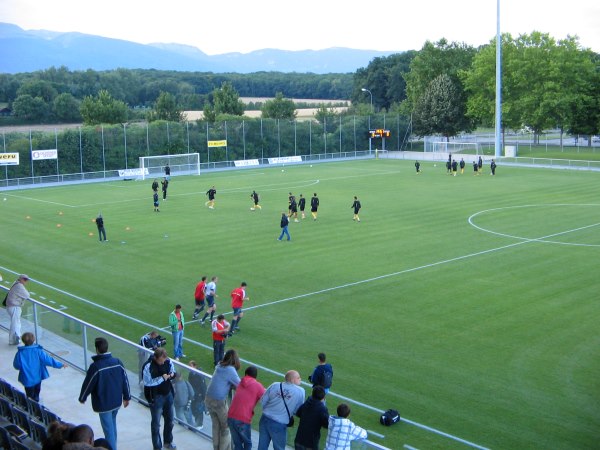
66,108
30,108
279,108
225,101
439,110
38,88
324,114
545,84
435,59
103,109
166,108
384,77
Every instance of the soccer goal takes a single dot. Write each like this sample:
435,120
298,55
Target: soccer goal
469,148
184,164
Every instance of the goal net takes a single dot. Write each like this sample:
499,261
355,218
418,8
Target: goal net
184,164
469,148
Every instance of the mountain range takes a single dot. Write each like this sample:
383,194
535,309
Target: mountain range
32,50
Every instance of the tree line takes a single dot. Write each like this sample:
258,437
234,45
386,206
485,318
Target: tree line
446,87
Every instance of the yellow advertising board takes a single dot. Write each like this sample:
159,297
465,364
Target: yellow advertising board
222,143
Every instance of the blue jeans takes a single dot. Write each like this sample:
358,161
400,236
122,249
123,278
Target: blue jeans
108,420
162,405
241,434
218,351
270,430
178,343
285,231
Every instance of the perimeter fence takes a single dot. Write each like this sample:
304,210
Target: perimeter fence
105,148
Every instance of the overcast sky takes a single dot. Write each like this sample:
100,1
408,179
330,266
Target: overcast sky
242,25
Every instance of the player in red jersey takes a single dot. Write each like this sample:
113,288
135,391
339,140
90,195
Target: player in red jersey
199,297
238,297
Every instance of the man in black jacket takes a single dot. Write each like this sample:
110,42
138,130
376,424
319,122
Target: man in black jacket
108,385
158,373
313,416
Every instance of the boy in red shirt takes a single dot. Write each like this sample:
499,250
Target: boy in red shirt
239,417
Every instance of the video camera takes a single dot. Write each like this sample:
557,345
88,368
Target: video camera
152,343
160,341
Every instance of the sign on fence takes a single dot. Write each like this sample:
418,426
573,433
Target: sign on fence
37,155
9,159
222,143
246,162
285,159
126,173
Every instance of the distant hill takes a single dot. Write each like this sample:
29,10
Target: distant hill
31,50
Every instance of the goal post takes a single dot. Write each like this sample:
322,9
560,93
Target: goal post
182,164
469,148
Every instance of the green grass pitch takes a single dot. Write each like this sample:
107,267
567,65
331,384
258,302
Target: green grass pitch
468,303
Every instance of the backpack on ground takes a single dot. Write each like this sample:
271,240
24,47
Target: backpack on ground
390,417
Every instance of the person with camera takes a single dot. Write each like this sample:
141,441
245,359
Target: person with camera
158,372
220,330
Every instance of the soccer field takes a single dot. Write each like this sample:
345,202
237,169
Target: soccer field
468,303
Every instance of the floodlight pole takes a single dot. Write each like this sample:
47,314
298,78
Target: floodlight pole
498,130
371,94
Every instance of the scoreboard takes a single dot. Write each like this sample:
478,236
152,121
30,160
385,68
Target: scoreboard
379,133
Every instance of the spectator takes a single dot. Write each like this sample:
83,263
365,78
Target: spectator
220,331
280,403
322,374
31,361
177,324
198,383
15,299
151,342
239,417
80,437
313,416
225,378
57,435
158,373
184,394
284,222
342,431
106,381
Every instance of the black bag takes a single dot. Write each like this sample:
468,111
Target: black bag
291,422
390,417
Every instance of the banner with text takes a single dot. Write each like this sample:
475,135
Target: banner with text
222,143
285,159
246,162
37,155
9,159
124,173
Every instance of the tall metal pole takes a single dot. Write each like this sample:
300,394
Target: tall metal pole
498,131
371,94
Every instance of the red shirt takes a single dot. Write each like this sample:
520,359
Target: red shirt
246,396
237,297
199,294
216,327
